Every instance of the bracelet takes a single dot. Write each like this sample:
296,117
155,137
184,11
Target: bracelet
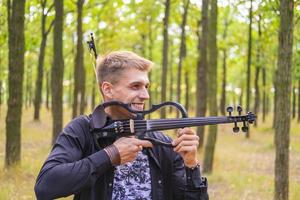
195,167
113,154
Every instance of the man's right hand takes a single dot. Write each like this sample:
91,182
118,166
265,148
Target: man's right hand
129,147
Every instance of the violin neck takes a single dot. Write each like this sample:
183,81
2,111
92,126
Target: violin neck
167,124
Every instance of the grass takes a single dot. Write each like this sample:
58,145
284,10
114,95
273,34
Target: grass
243,168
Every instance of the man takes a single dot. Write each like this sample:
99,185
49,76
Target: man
127,168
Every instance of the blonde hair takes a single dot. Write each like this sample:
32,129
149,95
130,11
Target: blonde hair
110,66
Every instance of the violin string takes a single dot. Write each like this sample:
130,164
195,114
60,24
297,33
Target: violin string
160,124
142,126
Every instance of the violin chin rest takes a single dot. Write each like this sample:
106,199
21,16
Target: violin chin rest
99,117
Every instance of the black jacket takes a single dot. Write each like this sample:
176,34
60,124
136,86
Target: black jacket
76,166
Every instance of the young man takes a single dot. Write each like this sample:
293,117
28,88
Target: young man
127,168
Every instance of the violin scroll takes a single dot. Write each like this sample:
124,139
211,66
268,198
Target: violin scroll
246,119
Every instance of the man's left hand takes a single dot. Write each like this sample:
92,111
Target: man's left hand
186,145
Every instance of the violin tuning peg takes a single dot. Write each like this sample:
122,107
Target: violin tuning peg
229,109
245,129
236,129
239,109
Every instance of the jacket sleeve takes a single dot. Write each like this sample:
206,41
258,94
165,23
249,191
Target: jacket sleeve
188,181
65,171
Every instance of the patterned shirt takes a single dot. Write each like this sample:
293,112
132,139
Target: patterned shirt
132,180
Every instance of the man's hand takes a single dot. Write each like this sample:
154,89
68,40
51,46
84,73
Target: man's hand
129,147
186,145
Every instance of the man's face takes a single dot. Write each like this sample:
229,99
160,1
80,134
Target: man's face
131,88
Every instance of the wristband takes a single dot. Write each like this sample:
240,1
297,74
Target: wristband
113,154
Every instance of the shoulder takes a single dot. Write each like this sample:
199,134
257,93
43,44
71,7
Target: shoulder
78,124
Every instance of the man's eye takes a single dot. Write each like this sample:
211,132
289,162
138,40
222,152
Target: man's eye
135,87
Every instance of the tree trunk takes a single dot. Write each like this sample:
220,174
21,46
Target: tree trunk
294,103
298,100
264,94
150,56
182,51
212,94
171,52
1,93
16,46
93,94
257,72
187,89
57,70
79,71
201,69
224,66
165,57
248,94
47,89
40,73
282,130
275,100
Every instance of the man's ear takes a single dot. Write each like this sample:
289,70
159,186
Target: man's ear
106,89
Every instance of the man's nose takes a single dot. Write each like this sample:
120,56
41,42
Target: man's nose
144,94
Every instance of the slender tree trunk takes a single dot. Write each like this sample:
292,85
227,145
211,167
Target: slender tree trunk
201,69
241,97
298,100
182,51
16,46
294,102
57,70
257,72
40,73
171,75
150,57
282,130
47,90
79,71
224,74
275,100
93,95
264,94
165,57
1,93
249,55
187,89
212,94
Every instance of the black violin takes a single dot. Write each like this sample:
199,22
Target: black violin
138,126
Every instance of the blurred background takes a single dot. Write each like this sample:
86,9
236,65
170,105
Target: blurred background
208,54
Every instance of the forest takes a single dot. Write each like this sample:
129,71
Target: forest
207,55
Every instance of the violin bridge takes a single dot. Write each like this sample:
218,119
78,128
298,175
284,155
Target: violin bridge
131,125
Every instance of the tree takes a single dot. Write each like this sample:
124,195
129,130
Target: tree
182,52
212,94
298,100
283,100
16,46
257,71
79,71
201,68
40,74
249,56
224,67
57,71
165,57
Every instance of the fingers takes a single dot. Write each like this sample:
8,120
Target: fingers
185,137
143,143
186,145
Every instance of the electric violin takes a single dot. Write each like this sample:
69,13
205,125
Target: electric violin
138,126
